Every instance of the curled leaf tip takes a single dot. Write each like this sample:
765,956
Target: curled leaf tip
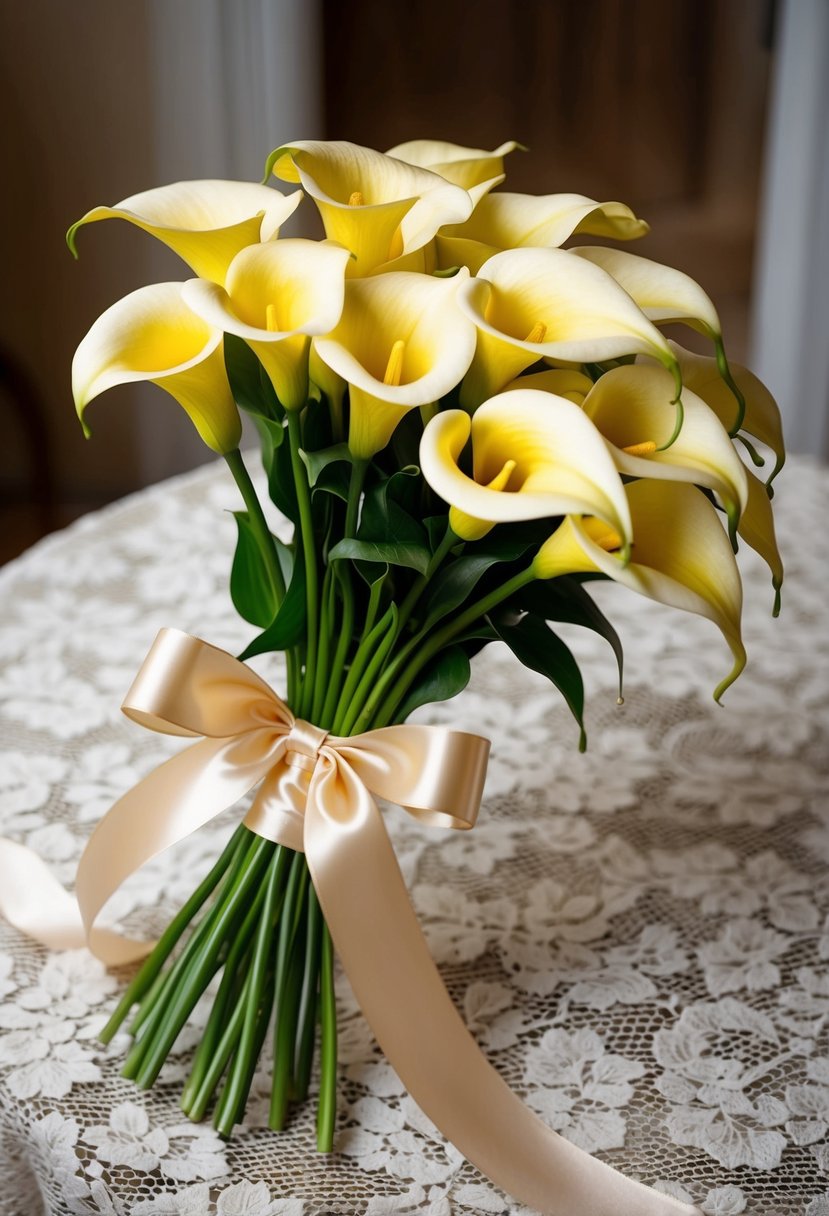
71,239
582,741
725,373
777,584
620,700
678,421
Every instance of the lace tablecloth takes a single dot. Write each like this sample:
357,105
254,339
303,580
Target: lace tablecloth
638,937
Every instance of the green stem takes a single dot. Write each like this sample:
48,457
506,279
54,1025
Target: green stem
376,662
327,1106
283,1061
359,468
306,525
430,647
417,587
341,653
365,651
258,522
244,1059
306,1019
329,600
149,970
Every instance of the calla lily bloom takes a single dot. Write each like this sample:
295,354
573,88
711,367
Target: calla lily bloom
401,342
680,557
512,221
757,530
627,405
665,295
474,169
762,415
277,296
533,455
205,222
152,335
529,304
378,207
564,382
668,297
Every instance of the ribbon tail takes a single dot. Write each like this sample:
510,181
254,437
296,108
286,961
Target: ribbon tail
174,800
380,943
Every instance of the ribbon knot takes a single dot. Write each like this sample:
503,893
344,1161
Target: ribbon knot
303,743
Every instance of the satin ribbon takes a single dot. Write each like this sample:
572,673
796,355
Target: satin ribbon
316,795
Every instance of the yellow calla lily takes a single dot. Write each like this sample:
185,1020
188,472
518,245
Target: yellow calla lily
277,295
762,415
512,221
529,304
152,335
757,530
665,295
533,455
564,382
401,342
627,405
681,557
205,222
476,170
380,208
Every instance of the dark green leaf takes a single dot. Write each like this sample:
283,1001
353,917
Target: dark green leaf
251,589
388,506
315,462
249,383
536,646
453,585
288,625
565,601
395,553
446,676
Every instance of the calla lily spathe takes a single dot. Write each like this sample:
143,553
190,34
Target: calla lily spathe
627,405
378,207
680,557
277,296
512,221
152,335
205,222
757,530
533,455
665,295
401,342
476,170
530,304
565,382
762,416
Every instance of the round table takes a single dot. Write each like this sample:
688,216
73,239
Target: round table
637,937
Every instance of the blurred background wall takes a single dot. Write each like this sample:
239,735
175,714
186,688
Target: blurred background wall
708,116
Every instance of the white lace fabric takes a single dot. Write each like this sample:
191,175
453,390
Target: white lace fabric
638,938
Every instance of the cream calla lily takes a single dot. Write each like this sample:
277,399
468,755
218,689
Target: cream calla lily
681,557
401,342
533,455
762,415
152,335
513,221
378,207
277,296
757,530
205,222
476,170
665,295
562,381
529,304
627,405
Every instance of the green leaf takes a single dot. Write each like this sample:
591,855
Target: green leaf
334,479
395,553
446,676
249,383
388,506
276,458
536,646
251,590
454,584
288,625
315,462
565,601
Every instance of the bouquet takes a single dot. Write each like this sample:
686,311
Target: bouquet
466,424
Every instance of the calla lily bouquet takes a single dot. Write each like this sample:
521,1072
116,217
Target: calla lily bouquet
466,423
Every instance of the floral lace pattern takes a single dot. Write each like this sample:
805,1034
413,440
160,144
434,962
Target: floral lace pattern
638,938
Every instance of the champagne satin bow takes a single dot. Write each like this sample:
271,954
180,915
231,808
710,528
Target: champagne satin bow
316,795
